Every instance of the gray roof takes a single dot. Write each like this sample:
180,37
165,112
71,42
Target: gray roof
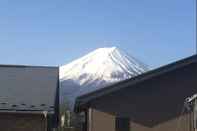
28,88
82,101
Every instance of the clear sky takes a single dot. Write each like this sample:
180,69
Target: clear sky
55,32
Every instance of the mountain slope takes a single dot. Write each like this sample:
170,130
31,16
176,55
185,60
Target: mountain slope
97,69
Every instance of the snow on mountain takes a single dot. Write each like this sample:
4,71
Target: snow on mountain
96,70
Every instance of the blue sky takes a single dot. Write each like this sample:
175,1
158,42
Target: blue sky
55,32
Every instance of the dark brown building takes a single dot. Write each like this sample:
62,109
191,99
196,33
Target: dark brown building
28,98
153,101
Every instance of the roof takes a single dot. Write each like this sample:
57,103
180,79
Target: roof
23,66
28,88
87,98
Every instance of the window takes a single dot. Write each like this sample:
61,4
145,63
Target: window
122,124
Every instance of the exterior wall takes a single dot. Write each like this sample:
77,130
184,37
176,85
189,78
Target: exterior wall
22,122
152,105
30,88
184,123
100,121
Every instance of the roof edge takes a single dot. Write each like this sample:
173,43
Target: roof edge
24,66
27,111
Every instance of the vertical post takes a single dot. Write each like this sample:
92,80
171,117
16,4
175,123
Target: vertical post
86,121
195,115
62,120
45,117
68,113
90,122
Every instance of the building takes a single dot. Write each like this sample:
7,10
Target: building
29,98
153,101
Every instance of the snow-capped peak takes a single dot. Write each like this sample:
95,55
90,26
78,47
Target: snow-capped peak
98,69
109,64
106,50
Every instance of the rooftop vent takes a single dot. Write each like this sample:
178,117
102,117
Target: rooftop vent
43,105
14,105
4,103
52,107
32,106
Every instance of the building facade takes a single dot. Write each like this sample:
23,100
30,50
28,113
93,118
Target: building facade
153,101
29,98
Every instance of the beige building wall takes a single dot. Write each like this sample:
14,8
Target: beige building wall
183,123
101,121
20,122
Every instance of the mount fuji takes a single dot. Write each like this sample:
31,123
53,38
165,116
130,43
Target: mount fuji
98,69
